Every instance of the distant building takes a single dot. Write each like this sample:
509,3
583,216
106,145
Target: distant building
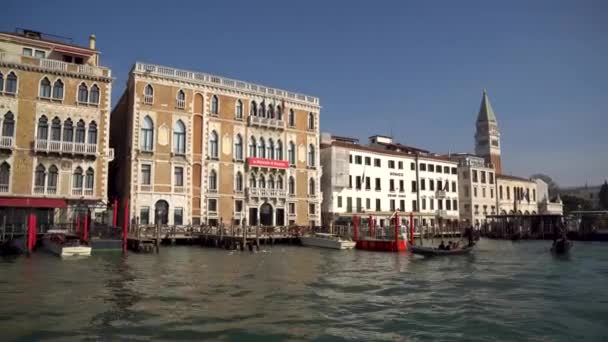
477,192
516,195
589,193
194,148
383,177
547,205
54,112
487,135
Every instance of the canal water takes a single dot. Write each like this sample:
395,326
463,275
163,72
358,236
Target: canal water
506,291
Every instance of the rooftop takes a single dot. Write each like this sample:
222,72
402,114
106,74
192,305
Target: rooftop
508,177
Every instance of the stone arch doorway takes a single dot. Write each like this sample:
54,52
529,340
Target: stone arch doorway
266,214
161,212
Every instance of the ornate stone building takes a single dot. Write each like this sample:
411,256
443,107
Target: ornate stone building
194,148
54,112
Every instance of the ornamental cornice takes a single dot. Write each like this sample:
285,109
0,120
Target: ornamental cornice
35,68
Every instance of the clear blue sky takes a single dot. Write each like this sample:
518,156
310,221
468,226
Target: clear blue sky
415,69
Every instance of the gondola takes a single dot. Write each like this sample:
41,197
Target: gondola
432,251
561,246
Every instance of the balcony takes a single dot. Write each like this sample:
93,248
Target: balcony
6,142
291,215
3,187
442,213
77,192
239,215
67,147
267,193
266,122
56,65
178,189
145,187
440,194
110,154
39,189
181,104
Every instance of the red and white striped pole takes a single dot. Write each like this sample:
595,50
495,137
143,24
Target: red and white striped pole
411,228
396,231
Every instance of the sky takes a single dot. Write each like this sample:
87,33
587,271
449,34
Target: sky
411,69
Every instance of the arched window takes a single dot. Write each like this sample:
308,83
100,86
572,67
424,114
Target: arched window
51,184
181,99
83,93
262,182
254,109
45,88
11,83
279,112
280,182
238,182
80,132
311,121
56,129
262,149
311,155
311,186
39,178
213,145
238,147
5,174
1,82
58,90
279,150
291,152
43,128
291,119
148,94
94,99
292,185
90,179
252,182
252,147
262,109
213,180
8,125
147,134
270,149
238,111
270,182
92,134
68,130
179,137
271,111
215,105
77,178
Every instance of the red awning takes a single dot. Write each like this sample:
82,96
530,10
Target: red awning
32,202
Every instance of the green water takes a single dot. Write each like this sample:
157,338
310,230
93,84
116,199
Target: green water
508,291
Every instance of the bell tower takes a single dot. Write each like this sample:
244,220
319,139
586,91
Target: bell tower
487,135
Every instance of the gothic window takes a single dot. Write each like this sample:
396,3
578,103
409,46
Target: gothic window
80,131
8,125
252,147
94,98
45,88
213,145
83,93
92,134
179,137
147,134
238,147
215,105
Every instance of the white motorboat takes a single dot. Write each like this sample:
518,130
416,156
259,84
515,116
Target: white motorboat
65,244
325,240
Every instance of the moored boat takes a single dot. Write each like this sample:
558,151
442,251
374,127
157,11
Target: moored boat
561,246
432,251
65,244
325,240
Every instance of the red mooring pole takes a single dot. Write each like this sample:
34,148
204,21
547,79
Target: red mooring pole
125,226
77,223
115,212
371,226
31,232
412,228
355,227
85,230
396,231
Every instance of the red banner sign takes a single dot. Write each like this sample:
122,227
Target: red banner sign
262,162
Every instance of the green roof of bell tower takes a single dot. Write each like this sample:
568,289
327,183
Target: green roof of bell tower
486,113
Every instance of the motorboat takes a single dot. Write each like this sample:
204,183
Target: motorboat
65,244
326,240
433,251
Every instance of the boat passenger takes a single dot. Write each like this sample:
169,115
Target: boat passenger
442,246
449,246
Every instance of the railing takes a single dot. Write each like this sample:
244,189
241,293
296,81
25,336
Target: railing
266,122
262,192
442,213
239,215
3,187
53,64
51,190
178,189
39,189
110,154
88,192
148,99
145,187
291,215
199,77
181,104
440,194
6,142
77,191
45,145
87,69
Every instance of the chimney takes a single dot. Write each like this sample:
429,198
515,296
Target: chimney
92,42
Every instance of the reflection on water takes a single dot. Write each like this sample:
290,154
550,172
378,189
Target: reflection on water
504,291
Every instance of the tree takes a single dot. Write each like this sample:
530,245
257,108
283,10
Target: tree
552,186
572,203
604,195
